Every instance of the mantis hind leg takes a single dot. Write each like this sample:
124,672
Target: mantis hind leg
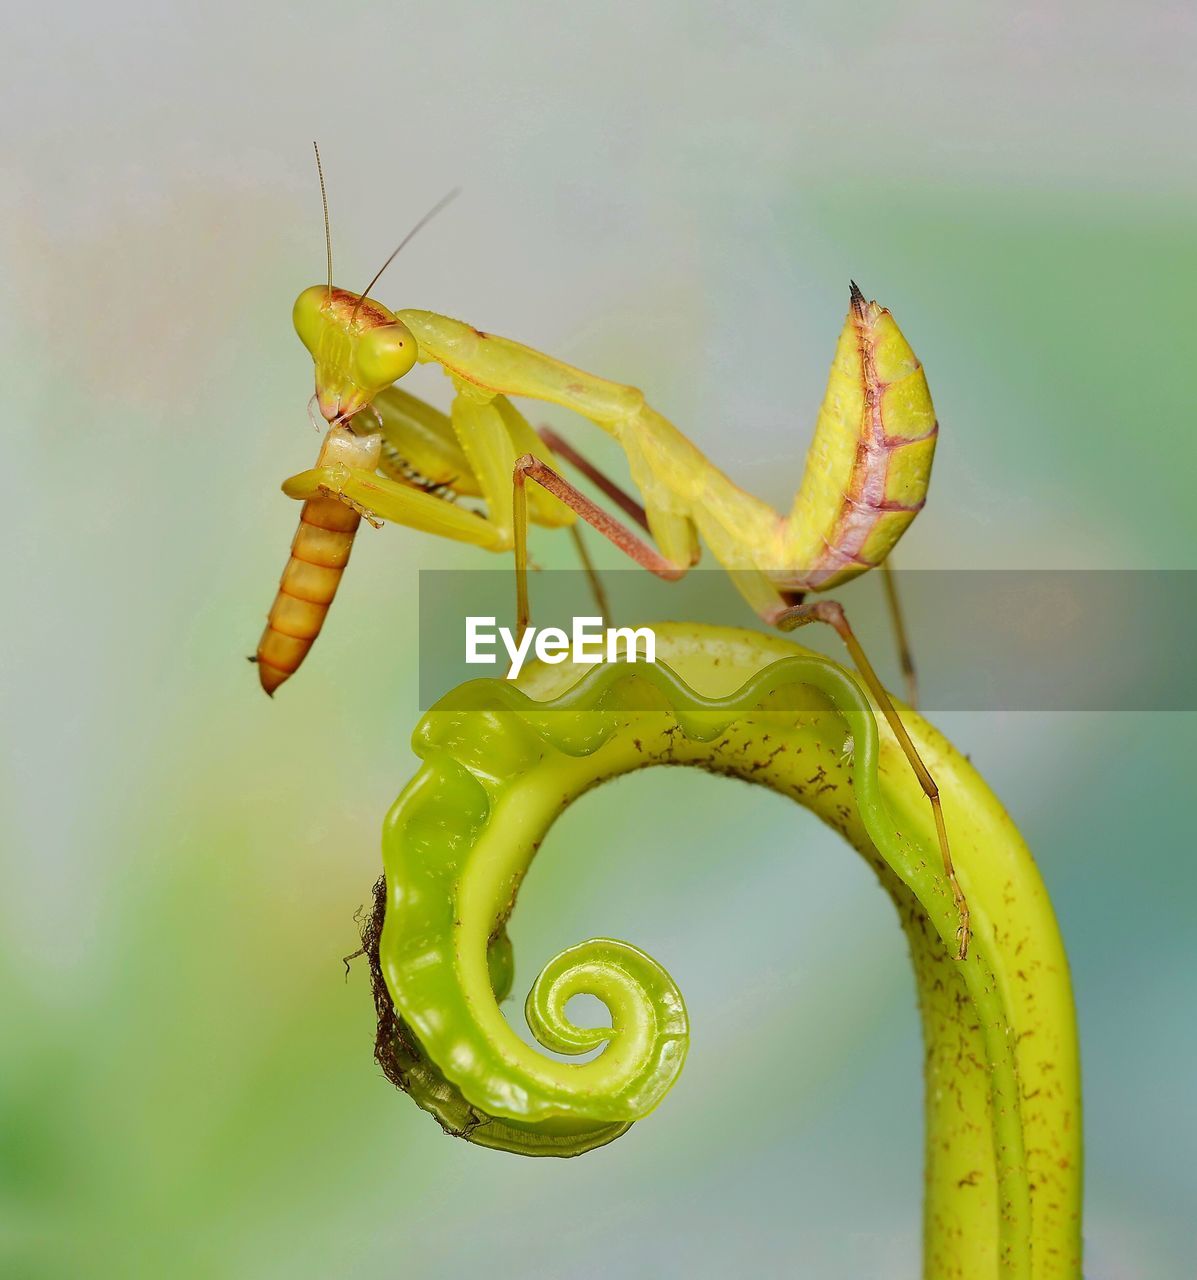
832,613
593,579
603,482
529,467
600,479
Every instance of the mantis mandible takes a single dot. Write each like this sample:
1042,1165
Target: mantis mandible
866,474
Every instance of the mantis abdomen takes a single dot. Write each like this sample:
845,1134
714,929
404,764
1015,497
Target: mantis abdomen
869,463
319,554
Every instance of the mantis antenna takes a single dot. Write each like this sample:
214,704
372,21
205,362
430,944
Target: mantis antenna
324,202
424,221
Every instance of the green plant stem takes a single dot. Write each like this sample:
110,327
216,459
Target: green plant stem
1003,1136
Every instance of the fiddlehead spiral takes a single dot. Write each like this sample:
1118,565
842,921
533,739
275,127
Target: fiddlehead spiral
501,763
435,949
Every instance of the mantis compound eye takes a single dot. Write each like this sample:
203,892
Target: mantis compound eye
384,355
308,316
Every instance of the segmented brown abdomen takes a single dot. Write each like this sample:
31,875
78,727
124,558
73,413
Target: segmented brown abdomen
319,553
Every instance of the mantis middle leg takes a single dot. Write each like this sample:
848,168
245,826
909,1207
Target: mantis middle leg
529,467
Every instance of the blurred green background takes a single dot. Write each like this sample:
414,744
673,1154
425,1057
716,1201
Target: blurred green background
674,194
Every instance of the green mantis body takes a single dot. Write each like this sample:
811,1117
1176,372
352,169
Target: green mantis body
866,477
865,480
500,764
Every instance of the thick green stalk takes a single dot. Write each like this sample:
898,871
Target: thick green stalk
501,763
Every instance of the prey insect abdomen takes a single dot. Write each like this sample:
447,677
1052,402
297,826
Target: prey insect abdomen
319,552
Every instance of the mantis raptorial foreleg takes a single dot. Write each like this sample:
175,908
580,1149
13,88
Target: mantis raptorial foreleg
419,445
832,613
395,501
474,448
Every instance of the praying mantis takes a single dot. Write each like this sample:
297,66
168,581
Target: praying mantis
403,461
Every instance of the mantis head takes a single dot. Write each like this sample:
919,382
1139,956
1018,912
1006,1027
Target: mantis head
359,347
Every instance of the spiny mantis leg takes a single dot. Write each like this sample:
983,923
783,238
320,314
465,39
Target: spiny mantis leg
531,468
898,622
832,613
378,497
